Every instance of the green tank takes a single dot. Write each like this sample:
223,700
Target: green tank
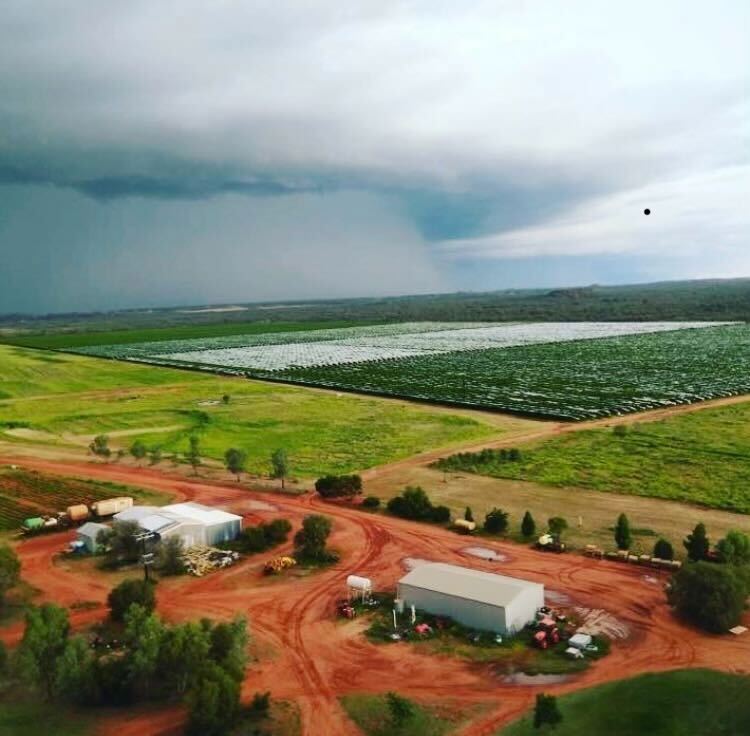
35,522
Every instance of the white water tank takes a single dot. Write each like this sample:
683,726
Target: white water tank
355,582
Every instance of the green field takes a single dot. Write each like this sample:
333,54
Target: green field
61,399
679,703
66,340
702,457
372,716
35,718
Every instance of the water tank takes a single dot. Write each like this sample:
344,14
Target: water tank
357,583
78,512
111,506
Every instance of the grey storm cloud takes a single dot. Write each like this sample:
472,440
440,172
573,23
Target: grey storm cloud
487,131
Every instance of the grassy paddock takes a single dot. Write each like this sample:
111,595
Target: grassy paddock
701,457
71,399
665,704
35,718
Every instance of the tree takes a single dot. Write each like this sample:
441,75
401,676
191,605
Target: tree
43,643
229,646
100,446
440,514
468,515
496,521
623,538
734,549
226,398
170,556
138,450
710,596
261,703
75,677
280,466
193,455
333,486
697,544
154,456
276,531
310,541
184,651
514,455
413,503
10,570
120,543
144,634
663,550
528,525
401,709
557,525
213,703
128,592
546,710
235,460
371,502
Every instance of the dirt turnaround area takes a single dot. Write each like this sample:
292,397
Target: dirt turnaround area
307,655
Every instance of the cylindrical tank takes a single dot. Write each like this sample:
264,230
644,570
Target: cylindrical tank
110,506
77,512
35,522
49,523
469,526
357,583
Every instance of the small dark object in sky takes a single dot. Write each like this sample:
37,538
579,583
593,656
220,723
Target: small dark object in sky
647,211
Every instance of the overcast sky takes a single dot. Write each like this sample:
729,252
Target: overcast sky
175,152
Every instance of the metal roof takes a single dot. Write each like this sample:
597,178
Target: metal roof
136,513
91,529
198,512
463,582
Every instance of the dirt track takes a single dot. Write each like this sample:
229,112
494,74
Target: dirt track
310,657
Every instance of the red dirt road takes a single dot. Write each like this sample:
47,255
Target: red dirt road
308,656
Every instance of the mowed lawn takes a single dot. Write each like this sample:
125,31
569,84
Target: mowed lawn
700,457
56,398
678,703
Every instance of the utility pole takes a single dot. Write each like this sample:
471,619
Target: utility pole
147,558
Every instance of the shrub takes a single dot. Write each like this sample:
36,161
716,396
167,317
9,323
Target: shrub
310,540
371,502
261,702
528,525
440,514
557,525
335,486
697,543
276,531
129,592
710,596
663,550
623,538
170,556
496,521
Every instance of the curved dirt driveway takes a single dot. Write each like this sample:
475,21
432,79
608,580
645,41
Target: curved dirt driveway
312,658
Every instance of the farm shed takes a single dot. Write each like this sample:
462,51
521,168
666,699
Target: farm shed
88,534
474,598
194,523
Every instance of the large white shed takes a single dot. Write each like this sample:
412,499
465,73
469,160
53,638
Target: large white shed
474,598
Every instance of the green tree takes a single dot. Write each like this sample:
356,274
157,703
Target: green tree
144,634
229,646
710,596
528,525
623,538
99,446
496,521
514,455
546,711
280,467
213,703
261,703
4,660
663,550
120,543
184,651
413,503
75,675
193,455
154,455
401,709
468,515
557,525
226,398
129,592
138,450
43,643
170,556
10,570
734,548
310,540
697,544
235,461
371,502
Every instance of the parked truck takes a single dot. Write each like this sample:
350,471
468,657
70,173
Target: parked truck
550,543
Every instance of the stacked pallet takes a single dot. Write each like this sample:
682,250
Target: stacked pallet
200,560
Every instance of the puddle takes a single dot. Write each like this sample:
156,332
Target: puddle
598,621
559,599
521,678
209,402
484,554
410,563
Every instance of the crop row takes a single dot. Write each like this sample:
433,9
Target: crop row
49,492
568,380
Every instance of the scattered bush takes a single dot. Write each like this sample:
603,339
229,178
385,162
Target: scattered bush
10,570
546,711
557,525
663,550
623,538
310,540
496,521
336,486
528,525
129,592
371,502
415,504
734,549
259,538
170,560
261,703
697,544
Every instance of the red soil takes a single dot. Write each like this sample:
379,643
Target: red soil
312,658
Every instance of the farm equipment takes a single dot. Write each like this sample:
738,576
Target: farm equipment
32,524
278,564
345,609
547,634
550,543
200,560
592,550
